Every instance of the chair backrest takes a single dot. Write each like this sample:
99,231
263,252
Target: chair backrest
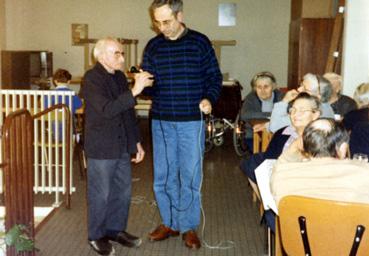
331,226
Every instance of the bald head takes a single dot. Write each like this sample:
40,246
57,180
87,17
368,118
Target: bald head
325,138
323,125
109,52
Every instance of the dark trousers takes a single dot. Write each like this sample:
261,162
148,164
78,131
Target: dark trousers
109,195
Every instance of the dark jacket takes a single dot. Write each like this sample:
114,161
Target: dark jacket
356,116
251,107
359,138
273,151
110,122
343,105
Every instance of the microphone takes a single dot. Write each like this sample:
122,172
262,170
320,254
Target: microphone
133,69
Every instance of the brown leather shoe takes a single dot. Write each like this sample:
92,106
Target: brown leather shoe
162,232
191,240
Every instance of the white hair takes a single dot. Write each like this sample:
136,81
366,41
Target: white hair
101,46
313,80
320,85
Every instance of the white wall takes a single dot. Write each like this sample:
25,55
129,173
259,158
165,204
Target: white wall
261,31
355,67
2,30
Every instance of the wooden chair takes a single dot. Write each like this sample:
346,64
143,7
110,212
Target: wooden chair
309,226
260,143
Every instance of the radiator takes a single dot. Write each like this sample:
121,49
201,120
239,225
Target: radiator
50,145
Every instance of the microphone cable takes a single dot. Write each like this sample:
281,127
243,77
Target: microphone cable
223,245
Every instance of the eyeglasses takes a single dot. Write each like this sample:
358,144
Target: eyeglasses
293,110
165,23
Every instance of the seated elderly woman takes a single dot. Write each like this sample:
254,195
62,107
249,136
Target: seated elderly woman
341,104
302,110
258,104
312,84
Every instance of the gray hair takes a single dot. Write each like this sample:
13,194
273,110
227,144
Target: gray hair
320,85
325,89
175,5
323,137
313,80
101,46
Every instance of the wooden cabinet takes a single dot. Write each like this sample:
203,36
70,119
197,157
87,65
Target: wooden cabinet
21,69
309,44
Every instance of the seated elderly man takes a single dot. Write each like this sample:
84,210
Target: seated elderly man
341,104
312,84
321,169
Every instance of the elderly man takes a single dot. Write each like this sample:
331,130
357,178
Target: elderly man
111,136
187,82
322,170
341,104
312,84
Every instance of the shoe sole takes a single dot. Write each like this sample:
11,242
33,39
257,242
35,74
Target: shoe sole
131,245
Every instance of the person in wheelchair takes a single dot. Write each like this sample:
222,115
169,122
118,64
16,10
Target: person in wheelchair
258,104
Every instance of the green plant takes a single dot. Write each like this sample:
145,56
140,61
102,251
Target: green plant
18,237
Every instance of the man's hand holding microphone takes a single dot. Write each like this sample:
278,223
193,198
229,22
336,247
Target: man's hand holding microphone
142,79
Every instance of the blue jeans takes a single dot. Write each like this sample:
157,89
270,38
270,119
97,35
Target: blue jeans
178,153
109,195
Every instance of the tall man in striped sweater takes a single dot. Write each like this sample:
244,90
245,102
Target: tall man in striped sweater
187,82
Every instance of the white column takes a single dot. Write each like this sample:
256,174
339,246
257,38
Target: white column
355,58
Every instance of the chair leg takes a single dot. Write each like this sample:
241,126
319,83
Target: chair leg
255,190
271,242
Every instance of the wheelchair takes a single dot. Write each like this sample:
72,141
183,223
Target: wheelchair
225,117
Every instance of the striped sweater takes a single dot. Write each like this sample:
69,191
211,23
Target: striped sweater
185,72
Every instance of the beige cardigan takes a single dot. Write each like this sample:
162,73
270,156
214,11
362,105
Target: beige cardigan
324,178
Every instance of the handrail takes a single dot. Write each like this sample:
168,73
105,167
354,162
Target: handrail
17,138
